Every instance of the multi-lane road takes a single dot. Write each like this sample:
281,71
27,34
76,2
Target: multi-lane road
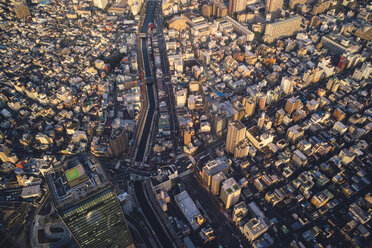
224,229
151,216
166,79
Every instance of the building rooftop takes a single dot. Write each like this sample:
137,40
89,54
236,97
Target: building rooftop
255,227
213,167
75,179
188,208
117,132
230,186
238,124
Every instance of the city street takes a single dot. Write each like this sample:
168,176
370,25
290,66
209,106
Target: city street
166,79
151,216
225,232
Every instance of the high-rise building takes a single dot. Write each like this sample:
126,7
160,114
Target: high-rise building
219,9
363,72
283,28
342,63
206,10
298,115
100,3
293,3
240,108
236,6
212,168
118,141
294,133
235,134
261,121
267,124
333,84
279,115
292,104
230,192
264,123
249,106
21,11
87,204
312,105
187,134
287,85
261,100
214,8
321,6
217,180
240,210
241,150
218,124
273,6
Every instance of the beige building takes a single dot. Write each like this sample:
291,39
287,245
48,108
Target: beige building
333,84
254,228
100,3
287,85
178,23
292,104
299,158
282,28
294,133
212,168
187,135
6,155
293,3
273,6
321,6
249,106
235,134
219,9
22,11
236,6
230,192
241,150
217,180
258,138
206,10
240,211
279,115
203,29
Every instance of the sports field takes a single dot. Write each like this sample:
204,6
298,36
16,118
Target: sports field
72,174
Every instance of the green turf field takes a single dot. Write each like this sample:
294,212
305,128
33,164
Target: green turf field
72,174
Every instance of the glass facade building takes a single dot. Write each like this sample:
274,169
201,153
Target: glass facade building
87,203
98,221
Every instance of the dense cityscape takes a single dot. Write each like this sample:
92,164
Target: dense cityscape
185,123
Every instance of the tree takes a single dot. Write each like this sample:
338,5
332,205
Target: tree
228,41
